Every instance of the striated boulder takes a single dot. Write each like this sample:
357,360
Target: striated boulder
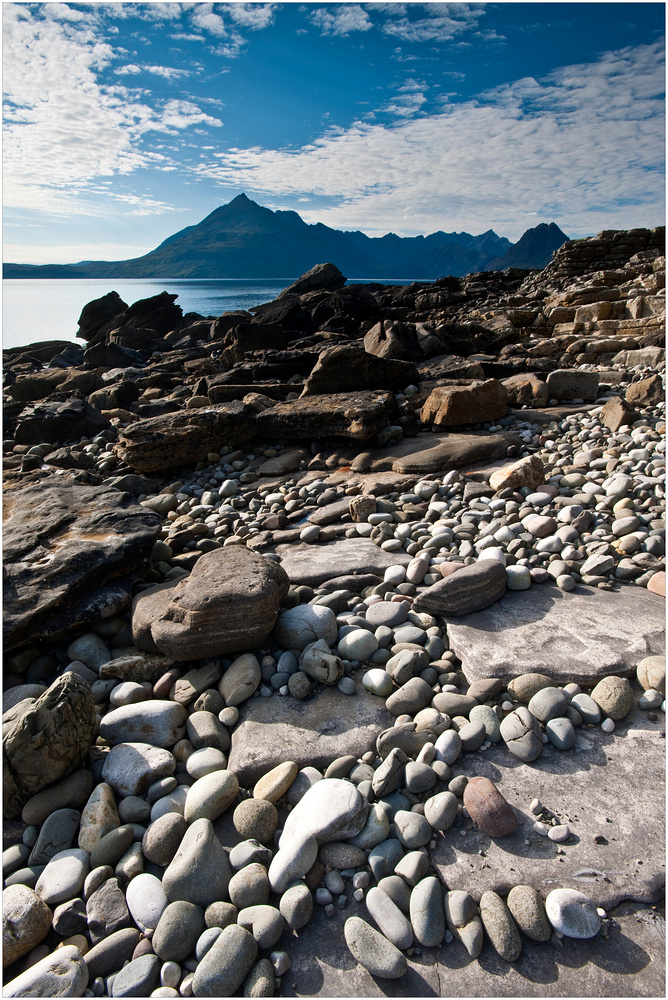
26,920
469,589
47,740
450,406
60,421
526,390
357,415
174,439
229,603
393,339
346,368
71,554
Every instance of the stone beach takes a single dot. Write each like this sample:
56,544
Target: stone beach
334,641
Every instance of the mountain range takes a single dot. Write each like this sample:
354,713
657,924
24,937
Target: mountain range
244,240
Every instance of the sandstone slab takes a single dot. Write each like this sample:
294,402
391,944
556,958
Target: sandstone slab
312,732
71,554
229,603
578,636
346,368
174,439
313,565
451,406
358,415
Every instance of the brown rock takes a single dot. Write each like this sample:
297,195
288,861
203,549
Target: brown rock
469,589
48,740
346,368
450,406
393,340
657,584
488,809
182,438
614,696
229,603
357,415
526,390
646,391
572,383
527,471
26,920
617,412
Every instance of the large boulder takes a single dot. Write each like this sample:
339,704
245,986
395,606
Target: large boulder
393,339
229,603
99,313
47,740
453,405
321,277
71,555
60,421
357,415
174,439
345,368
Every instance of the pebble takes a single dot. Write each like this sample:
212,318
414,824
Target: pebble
488,809
559,833
275,783
373,951
63,877
178,930
572,914
210,796
390,920
249,886
614,696
441,810
500,926
528,910
200,870
561,733
521,733
297,627
62,973
158,723
651,673
296,906
146,901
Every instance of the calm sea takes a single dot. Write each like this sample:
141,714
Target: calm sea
49,308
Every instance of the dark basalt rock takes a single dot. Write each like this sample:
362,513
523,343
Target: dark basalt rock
71,554
61,421
322,276
347,368
97,314
48,741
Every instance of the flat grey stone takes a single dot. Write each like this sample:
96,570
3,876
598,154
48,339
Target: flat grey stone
314,564
578,636
312,732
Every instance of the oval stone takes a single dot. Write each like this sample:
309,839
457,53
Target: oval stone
500,926
614,696
373,951
226,964
528,910
160,723
427,913
211,795
488,809
572,914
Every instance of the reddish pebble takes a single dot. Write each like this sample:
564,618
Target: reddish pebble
401,598
164,684
448,568
488,809
651,717
143,947
657,584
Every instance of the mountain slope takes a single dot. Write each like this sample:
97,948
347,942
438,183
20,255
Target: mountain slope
534,249
244,240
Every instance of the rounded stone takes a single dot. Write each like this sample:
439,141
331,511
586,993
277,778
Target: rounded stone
572,914
241,680
204,729
275,783
211,795
260,981
296,905
205,761
63,877
522,734
500,926
614,696
528,911
472,736
359,645
98,817
441,810
146,901
373,951
178,930
256,819
306,623
518,577
264,922
651,673
490,720
413,830
306,778
292,861
62,973
220,914
332,809
200,870
561,733
427,913
159,723
249,886
548,703
419,777
26,920
111,848
227,963
524,687
587,708
377,681
299,685
162,838
391,614
410,698
488,809
389,918
448,746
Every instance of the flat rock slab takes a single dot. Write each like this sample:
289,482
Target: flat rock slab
314,564
313,732
578,636
630,962
437,452
609,785
71,554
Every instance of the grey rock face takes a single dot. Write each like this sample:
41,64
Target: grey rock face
71,553
47,741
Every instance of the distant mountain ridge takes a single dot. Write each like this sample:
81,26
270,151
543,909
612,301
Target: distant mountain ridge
244,240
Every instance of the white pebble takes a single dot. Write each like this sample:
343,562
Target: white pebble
607,726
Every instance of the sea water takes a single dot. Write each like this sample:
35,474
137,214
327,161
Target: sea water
37,309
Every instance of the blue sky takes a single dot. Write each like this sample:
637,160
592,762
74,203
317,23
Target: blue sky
125,122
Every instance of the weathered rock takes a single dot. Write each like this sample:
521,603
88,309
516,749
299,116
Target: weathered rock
645,392
488,809
174,439
160,723
617,412
47,741
500,926
229,602
332,809
393,339
572,383
71,553
321,277
468,590
305,624
63,973
131,767
347,368
451,406
614,695
98,313
226,964
200,871
26,920
373,951
528,910
526,390
60,421
522,735
70,793
549,631
358,415
527,471
312,565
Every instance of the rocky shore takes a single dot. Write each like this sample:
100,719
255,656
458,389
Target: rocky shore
334,640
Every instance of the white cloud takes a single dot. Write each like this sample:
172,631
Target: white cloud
168,72
442,22
61,11
251,15
129,70
63,129
340,20
583,147
205,19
